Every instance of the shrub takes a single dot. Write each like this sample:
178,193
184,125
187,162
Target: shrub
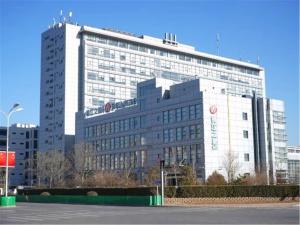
141,191
45,193
92,193
238,191
216,179
188,176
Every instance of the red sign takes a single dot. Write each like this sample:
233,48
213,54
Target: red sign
107,107
11,159
213,109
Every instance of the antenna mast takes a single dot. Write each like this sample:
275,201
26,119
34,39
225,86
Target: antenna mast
61,15
218,43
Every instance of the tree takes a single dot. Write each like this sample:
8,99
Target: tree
153,174
257,179
2,177
51,167
231,165
188,176
82,161
216,179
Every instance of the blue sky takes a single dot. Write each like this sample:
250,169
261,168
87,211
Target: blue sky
248,30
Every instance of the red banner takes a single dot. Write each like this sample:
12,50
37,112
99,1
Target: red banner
11,159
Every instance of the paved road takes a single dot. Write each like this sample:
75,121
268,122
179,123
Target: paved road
35,213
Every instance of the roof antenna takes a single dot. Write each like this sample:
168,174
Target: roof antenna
54,21
258,60
61,15
218,43
70,15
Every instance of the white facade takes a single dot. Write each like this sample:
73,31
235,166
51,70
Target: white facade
84,67
173,123
294,164
59,86
23,139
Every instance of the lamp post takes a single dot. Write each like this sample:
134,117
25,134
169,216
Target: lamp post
16,108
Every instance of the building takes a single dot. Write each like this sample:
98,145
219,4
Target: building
84,67
190,123
294,164
23,139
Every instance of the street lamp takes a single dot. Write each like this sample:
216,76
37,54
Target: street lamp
16,108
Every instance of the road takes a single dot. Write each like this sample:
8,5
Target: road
36,213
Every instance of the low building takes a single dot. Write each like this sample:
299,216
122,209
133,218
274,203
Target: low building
23,139
294,164
194,123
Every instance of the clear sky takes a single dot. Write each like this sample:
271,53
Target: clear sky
248,30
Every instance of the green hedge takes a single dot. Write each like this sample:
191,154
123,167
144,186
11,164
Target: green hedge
95,200
140,191
233,191
181,192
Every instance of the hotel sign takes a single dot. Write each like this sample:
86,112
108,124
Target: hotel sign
213,127
110,107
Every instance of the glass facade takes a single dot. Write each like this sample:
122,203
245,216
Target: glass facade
113,67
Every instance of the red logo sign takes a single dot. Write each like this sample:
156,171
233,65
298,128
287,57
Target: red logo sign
213,109
107,107
11,159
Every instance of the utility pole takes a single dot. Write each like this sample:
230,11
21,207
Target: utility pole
162,165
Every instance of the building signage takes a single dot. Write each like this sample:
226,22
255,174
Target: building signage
213,127
213,109
107,107
110,107
11,159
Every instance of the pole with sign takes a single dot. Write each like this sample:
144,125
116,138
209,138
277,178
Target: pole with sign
16,108
162,165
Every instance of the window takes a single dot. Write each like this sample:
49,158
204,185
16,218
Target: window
198,131
245,116
185,113
35,134
166,136
198,111
193,131
178,114
192,112
165,117
172,133
246,157
172,116
245,134
185,133
179,134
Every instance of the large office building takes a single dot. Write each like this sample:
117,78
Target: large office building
83,68
23,140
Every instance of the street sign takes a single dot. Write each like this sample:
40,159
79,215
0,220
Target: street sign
157,182
11,159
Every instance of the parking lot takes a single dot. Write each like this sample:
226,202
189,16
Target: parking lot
36,213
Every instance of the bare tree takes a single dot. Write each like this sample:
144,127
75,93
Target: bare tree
82,161
231,165
257,179
51,167
153,175
2,177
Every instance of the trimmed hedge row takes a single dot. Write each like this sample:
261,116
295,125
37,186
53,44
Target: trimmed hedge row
233,191
181,192
140,191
